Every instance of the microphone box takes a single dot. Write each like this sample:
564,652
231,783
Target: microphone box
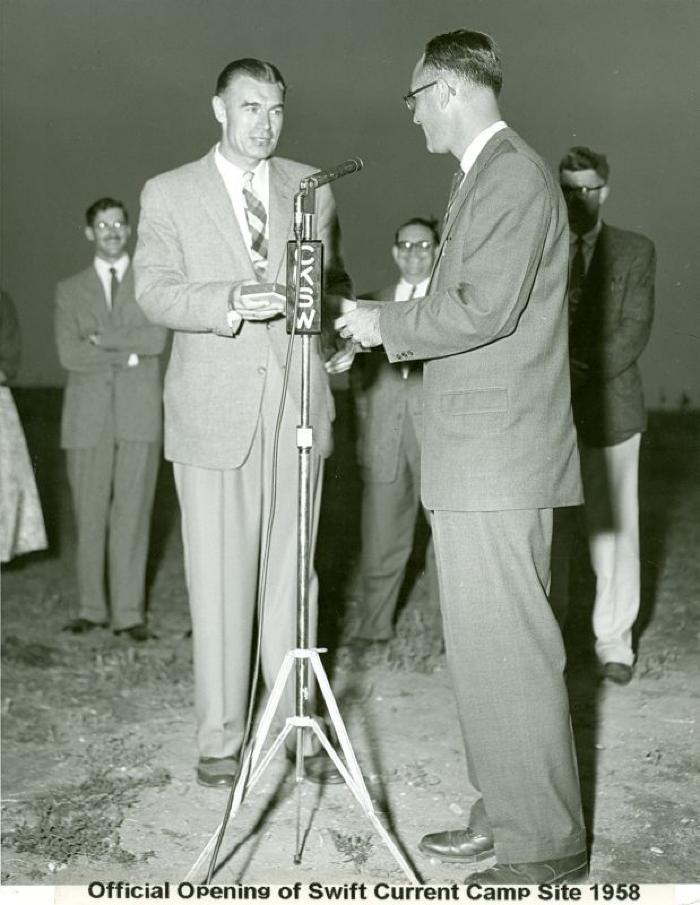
309,270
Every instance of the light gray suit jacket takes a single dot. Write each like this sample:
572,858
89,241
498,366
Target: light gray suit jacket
498,430
383,399
189,254
100,382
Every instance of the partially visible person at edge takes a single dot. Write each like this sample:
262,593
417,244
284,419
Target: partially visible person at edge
611,308
21,520
208,229
499,455
111,425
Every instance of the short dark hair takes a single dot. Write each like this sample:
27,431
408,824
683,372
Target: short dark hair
420,221
104,204
580,158
256,69
471,54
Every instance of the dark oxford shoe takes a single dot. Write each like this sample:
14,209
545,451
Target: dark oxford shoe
80,626
461,846
619,673
136,633
573,869
217,772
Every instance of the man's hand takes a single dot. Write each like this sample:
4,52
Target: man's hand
342,360
361,326
257,306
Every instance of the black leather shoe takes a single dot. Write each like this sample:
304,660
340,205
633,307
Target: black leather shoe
457,845
573,869
619,673
217,772
136,633
80,626
318,768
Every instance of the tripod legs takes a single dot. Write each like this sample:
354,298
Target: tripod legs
253,765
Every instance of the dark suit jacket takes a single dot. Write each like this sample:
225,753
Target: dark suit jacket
10,339
498,430
100,383
189,254
383,399
609,330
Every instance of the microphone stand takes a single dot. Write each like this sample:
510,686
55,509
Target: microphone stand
304,261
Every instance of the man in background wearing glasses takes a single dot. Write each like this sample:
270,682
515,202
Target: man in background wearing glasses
389,406
499,455
111,426
611,307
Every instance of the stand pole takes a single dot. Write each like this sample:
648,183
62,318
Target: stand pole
252,767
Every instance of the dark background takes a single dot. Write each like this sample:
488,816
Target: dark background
99,95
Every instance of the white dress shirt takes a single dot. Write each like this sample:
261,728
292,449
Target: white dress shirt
406,290
104,272
233,180
478,144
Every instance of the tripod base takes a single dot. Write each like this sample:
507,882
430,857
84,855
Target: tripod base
254,765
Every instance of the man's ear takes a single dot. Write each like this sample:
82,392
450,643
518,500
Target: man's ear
444,92
604,192
395,254
219,109
89,233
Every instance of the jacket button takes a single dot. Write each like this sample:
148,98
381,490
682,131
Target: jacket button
261,370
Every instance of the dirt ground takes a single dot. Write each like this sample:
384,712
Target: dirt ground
98,733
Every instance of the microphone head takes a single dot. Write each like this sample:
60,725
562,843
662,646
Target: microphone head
358,162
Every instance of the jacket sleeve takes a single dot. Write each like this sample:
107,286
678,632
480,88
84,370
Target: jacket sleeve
498,262
625,344
163,290
146,339
75,352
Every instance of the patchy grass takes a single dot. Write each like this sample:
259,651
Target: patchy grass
354,848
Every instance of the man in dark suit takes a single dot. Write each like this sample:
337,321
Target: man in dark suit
112,424
611,307
389,406
499,454
207,230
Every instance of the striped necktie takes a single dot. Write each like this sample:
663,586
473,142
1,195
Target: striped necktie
113,286
406,368
256,216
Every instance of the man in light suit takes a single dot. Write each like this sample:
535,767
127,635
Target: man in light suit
111,425
611,306
207,230
389,406
499,453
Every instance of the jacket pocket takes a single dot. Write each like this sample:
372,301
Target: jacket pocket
474,413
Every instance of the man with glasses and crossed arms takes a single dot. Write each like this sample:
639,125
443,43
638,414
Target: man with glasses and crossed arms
499,454
111,426
611,307
389,406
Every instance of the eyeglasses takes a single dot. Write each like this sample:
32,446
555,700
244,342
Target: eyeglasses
103,227
422,245
583,190
410,98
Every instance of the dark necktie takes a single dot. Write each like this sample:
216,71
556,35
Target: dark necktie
406,368
256,216
113,286
454,188
577,277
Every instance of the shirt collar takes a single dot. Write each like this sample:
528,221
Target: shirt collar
590,237
120,265
231,172
477,145
420,288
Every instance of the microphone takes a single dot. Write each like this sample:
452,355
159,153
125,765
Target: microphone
314,180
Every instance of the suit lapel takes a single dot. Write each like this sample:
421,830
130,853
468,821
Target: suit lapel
214,197
126,289
280,217
94,295
463,193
